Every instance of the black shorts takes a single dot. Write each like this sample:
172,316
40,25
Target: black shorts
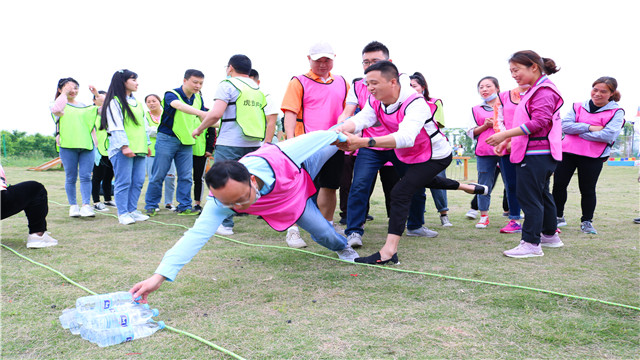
331,172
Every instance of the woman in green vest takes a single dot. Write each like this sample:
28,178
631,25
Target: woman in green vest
124,119
154,115
75,122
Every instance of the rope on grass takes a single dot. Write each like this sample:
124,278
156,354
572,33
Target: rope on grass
448,277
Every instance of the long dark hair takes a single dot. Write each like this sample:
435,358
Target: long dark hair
530,57
61,84
117,89
417,76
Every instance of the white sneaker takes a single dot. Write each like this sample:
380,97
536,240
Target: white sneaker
74,211
36,242
224,230
294,239
126,219
354,239
87,211
422,231
347,254
472,214
138,216
100,207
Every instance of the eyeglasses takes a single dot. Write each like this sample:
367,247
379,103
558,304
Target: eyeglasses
241,203
370,62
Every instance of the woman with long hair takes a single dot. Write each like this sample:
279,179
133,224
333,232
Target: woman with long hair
124,118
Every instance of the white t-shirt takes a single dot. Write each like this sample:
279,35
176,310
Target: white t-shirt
230,133
416,114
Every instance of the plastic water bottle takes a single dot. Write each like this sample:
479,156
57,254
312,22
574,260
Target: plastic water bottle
103,302
122,334
121,318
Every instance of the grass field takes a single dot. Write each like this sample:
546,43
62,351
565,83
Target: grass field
278,303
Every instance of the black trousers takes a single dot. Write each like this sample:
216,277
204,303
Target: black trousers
417,177
533,175
102,176
199,164
588,173
30,196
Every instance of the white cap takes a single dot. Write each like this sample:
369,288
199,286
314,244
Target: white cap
320,50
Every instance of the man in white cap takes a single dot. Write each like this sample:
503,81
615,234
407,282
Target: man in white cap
314,101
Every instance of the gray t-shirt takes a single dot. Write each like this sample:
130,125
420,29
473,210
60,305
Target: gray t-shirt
230,133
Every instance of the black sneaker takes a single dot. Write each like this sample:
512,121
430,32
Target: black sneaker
375,259
369,217
197,208
343,221
110,203
480,189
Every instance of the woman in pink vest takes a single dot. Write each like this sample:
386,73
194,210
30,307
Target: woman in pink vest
481,127
590,128
535,145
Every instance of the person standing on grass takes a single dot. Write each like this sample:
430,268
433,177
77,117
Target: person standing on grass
75,123
590,128
419,83
535,143
239,106
30,197
154,115
103,170
124,118
272,177
314,101
182,107
420,149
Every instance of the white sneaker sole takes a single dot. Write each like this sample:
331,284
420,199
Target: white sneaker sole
523,256
552,245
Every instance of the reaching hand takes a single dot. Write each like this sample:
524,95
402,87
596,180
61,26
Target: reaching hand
146,287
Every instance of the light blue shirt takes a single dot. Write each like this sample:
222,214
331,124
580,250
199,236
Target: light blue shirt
297,149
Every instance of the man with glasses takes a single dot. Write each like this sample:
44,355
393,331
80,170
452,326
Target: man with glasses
274,182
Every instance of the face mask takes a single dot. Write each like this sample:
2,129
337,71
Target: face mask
490,97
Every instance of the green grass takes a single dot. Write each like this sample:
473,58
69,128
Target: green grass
271,303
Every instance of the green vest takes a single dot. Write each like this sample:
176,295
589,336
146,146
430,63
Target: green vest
136,134
249,109
103,138
183,123
152,125
199,148
75,127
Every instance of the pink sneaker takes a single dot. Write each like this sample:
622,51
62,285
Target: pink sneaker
524,250
511,228
552,241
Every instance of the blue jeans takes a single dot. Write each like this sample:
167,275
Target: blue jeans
169,149
368,163
222,153
486,170
508,171
169,180
72,160
312,221
128,180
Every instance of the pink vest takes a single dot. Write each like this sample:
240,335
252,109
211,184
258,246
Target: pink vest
362,93
421,150
519,144
574,144
480,115
286,202
508,109
322,103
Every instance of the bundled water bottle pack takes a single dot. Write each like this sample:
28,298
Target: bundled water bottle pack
110,319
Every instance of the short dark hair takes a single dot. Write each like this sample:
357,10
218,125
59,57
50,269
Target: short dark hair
386,68
222,171
193,72
492,79
241,64
376,46
254,74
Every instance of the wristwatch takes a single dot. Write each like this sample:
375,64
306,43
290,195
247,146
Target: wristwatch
372,142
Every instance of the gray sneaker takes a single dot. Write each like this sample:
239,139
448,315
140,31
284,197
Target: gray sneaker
354,239
347,254
561,221
444,220
587,227
422,231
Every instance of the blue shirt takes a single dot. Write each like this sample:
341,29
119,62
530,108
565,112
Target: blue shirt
166,123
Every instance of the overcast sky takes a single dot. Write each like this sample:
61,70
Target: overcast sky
453,43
